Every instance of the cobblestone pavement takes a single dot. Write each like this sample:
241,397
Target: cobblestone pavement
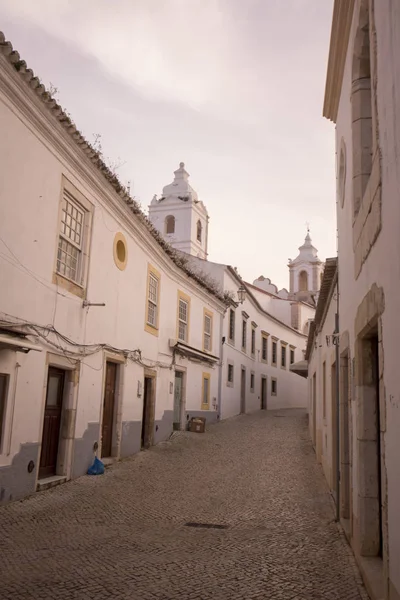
123,535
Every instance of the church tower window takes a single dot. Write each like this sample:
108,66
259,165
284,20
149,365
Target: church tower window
199,230
170,224
303,281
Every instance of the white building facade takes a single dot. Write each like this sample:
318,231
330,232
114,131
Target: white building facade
362,98
264,338
108,341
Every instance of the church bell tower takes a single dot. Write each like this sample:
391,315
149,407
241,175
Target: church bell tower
305,273
180,216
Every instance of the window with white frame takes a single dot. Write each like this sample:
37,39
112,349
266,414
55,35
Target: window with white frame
70,242
207,332
152,300
183,319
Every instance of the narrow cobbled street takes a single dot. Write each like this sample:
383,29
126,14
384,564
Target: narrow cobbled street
125,534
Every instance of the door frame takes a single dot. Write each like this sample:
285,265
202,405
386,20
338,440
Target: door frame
149,438
117,420
68,412
183,371
264,378
53,432
243,390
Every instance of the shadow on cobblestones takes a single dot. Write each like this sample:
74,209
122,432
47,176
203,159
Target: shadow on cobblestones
123,535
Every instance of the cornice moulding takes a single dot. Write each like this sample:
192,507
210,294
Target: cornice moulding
341,26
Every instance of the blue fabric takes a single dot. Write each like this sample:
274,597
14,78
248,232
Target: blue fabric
97,467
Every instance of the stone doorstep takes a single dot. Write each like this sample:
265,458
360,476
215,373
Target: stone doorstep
371,569
110,460
49,482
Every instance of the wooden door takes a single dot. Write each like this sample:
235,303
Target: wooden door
243,392
108,409
178,399
147,419
263,393
51,422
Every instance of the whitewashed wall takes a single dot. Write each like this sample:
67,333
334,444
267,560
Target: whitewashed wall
324,426
29,225
382,264
291,389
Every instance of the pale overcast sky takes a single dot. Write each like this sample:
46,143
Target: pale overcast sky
234,88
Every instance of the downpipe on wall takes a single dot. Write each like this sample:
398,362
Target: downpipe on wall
221,362
337,374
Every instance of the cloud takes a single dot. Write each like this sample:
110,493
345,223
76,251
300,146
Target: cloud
164,49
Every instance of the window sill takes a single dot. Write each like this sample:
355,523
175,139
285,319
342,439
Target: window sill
70,286
205,407
230,384
151,329
273,364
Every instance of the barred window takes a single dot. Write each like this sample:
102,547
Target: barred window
70,243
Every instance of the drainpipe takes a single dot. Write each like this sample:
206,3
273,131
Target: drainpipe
337,409
337,358
221,361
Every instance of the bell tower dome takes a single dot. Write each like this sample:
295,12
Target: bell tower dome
180,216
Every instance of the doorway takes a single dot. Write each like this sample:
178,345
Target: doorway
263,393
108,409
334,432
51,422
369,448
178,400
243,391
314,408
148,412
345,437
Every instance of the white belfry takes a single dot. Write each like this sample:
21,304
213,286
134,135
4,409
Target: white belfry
180,216
305,272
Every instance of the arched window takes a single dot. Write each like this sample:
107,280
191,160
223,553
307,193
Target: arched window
361,104
199,230
170,224
303,281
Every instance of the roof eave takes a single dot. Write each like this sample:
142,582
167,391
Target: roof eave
340,34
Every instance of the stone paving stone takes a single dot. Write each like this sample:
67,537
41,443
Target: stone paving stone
122,535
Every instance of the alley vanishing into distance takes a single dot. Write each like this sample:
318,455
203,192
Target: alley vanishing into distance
125,534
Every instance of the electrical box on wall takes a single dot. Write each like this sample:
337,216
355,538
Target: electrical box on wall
139,389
